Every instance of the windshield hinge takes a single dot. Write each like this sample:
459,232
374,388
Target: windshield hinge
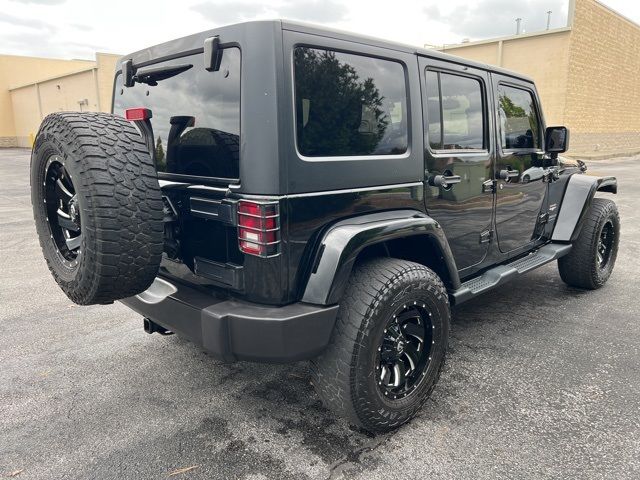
212,54
128,72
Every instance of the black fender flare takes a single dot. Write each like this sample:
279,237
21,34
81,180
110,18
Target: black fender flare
343,241
576,202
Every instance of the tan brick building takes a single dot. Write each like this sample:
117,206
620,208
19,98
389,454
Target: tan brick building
587,73
31,88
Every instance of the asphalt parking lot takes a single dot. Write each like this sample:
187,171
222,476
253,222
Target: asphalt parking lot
542,381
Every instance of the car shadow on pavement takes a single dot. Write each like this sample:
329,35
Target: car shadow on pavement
271,413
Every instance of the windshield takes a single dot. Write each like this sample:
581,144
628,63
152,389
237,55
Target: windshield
196,115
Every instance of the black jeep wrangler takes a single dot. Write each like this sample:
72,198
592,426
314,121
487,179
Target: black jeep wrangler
278,192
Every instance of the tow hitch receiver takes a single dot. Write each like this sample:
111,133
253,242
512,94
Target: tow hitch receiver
152,327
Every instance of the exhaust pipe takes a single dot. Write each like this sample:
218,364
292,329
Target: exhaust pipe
152,327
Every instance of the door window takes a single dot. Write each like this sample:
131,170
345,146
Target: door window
455,112
519,123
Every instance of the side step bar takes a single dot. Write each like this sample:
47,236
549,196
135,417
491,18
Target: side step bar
503,273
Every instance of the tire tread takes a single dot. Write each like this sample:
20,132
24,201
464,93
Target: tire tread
123,233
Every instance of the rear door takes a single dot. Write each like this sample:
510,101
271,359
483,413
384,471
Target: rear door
519,169
459,143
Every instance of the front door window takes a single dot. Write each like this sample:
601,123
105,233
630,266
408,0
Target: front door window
519,123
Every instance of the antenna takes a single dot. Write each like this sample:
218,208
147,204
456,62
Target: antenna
549,12
518,20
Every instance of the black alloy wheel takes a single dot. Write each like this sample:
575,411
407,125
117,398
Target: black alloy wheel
605,244
62,211
405,352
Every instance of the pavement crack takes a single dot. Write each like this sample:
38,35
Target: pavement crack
354,457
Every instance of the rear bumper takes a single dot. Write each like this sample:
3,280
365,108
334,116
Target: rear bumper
235,330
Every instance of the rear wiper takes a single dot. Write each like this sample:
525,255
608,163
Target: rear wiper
152,75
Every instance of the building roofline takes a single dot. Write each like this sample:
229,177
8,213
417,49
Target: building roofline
110,54
54,77
571,14
506,38
46,58
617,13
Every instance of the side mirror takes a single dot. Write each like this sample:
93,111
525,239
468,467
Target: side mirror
556,140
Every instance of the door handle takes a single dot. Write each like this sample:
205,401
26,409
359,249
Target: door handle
444,181
488,186
508,174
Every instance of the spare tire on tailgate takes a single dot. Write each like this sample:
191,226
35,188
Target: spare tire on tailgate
97,206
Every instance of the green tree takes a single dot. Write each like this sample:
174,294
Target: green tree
161,163
510,109
344,115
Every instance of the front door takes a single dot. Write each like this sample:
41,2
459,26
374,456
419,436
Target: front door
459,156
519,166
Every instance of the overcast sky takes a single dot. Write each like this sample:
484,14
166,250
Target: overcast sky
78,28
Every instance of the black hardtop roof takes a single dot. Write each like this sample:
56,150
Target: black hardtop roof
195,41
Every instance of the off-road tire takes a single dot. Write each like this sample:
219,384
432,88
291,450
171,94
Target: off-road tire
580,267
119,202
344,374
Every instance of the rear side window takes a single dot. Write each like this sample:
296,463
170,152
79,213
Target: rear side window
349,105
519,124
455,112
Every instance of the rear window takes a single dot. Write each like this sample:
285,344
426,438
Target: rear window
349,105
196,116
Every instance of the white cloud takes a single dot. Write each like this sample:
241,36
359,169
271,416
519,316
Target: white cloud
75,28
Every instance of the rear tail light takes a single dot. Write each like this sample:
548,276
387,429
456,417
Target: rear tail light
137,114
259,228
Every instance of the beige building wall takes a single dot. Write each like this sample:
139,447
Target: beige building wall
31,103
587,75
31,88
483,52
106,64
27,112
603,101
15,70
544,57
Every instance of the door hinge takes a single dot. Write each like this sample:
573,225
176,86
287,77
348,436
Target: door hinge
486,236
